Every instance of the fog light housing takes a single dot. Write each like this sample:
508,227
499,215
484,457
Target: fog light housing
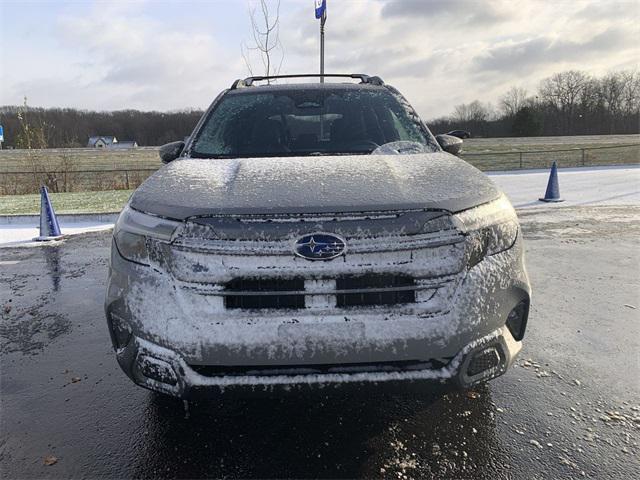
121,333
157,370
482,361
517,320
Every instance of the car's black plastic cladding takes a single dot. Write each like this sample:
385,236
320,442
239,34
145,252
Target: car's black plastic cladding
284,87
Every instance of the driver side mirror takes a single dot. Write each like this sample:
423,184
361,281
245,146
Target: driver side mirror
171,151
449,143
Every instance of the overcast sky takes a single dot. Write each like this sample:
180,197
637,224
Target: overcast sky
166,55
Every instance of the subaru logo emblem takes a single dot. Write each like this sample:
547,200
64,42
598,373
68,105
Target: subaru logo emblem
319,246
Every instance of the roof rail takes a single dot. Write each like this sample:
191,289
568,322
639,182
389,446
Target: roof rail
248,82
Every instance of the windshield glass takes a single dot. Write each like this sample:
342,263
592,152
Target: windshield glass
307,122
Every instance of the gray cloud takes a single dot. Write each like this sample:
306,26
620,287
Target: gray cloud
420,8
610,10
483,13
527,54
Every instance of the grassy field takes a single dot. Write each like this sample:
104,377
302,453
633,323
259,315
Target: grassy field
546,155
541,152
510,144
81,202
75,170
54,158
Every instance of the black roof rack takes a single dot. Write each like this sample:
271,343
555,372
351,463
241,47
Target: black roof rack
248,82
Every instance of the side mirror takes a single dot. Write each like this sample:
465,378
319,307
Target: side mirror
171,151
449,143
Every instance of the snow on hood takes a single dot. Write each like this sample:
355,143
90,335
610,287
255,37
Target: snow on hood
313,184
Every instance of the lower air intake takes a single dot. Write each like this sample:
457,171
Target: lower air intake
405,294
261,294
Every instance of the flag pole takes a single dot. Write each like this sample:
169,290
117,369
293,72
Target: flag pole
322,21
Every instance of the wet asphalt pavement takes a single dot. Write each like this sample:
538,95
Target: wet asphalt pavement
569,409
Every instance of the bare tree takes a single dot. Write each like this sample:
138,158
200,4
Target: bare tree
512,101
31,135
265,43
471,112
612,88
631,92
563,92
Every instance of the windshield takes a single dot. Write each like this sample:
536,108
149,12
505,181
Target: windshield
312,121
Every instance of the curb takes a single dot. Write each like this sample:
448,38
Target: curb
62,218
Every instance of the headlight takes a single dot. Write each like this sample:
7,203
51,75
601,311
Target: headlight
135,231
492,228
132,247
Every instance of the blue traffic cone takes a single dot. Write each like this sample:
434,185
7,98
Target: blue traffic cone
49,227
553,187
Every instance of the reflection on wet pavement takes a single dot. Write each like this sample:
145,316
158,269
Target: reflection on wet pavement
52,256
345,434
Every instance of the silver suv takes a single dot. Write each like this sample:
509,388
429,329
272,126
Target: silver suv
309,234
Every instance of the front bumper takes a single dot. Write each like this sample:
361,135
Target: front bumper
169,334
163,370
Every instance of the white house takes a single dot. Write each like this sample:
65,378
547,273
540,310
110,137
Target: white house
102,141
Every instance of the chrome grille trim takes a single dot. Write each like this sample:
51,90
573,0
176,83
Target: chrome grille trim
279,248
204,289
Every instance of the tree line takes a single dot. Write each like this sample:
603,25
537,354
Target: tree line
567,103
28,127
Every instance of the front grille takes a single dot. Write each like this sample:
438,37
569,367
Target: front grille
403,294
351,291
311,369
246,293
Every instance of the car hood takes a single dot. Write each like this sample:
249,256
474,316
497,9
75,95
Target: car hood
313,184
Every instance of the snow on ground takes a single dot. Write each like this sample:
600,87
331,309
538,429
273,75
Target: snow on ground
23,233
578,187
